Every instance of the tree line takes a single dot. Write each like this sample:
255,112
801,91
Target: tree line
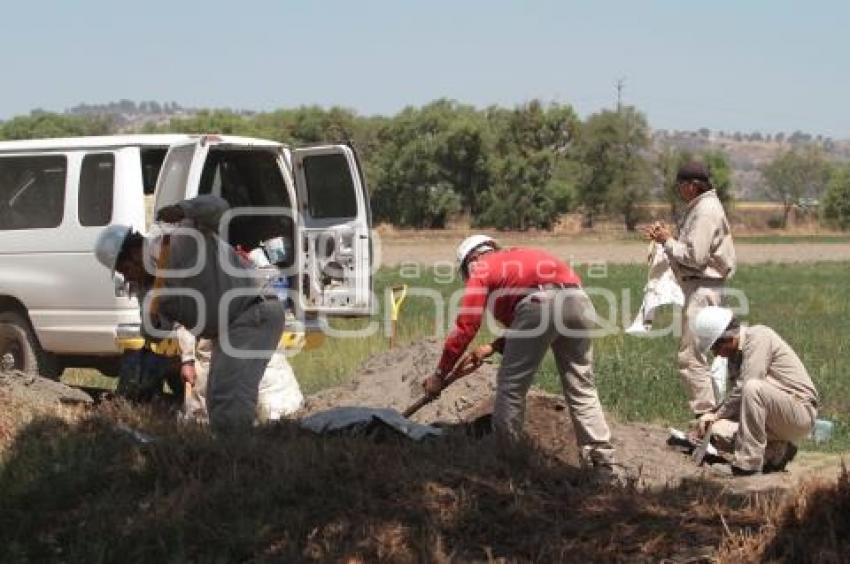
506,168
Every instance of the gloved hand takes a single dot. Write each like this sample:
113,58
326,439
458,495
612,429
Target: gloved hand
705,421
433,384
171,214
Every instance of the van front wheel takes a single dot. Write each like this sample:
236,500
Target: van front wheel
20,349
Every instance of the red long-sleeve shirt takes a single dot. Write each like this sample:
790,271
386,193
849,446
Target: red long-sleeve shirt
511,274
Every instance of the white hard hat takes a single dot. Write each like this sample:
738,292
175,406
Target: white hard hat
711,322
470,244
109,244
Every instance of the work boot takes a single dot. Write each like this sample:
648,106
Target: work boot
599,460
779,464
610,474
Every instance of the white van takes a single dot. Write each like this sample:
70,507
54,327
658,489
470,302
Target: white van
60,308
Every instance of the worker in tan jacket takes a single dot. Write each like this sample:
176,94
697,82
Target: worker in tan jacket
703,257
773,400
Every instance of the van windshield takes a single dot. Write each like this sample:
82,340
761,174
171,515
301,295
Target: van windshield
248,179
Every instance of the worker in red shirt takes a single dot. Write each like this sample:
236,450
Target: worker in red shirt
539,299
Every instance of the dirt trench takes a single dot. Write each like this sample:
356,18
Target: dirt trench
393,379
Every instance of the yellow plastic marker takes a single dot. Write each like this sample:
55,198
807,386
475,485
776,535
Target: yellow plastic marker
398,293
165,347
301,341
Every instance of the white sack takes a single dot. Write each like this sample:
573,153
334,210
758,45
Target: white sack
662,288
279,393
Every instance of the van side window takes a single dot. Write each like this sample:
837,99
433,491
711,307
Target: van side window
330,190
97,179
32,191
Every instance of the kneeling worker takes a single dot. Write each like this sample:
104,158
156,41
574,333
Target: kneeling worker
773,400
541,302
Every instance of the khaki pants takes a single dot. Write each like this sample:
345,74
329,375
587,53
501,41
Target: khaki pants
768,414
195,407
233,383
532,332
694,368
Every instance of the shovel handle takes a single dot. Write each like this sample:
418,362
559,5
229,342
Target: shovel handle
420,403
464,368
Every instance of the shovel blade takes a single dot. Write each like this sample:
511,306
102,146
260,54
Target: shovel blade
702,448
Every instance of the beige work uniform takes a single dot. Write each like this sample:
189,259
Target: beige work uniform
703,258
773,398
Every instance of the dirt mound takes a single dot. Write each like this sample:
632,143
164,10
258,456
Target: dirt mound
38,391
393,379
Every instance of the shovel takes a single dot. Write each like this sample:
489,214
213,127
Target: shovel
464,368
702,449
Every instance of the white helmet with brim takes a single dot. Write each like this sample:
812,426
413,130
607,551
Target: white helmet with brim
710,324
109,244
470,244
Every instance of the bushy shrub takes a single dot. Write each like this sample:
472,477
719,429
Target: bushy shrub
836,203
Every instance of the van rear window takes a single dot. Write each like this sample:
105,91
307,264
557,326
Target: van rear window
330,190
97,179
32,191
248,179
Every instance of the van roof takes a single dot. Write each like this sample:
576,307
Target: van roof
113,141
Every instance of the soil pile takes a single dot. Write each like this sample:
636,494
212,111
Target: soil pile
393,379
39,391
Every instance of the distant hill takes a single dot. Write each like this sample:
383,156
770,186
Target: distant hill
128,115
747,153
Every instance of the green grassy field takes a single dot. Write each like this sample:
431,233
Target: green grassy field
809,305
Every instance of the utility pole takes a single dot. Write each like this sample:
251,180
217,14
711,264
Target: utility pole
620,85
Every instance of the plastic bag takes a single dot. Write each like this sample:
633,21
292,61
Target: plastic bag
661,288
279,394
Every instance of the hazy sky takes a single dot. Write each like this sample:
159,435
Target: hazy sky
733,65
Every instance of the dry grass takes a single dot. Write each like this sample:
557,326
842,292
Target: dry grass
812,525
78,489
